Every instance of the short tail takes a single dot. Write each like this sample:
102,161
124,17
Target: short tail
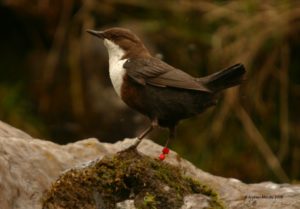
224,79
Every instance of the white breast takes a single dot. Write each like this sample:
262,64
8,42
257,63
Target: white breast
116,70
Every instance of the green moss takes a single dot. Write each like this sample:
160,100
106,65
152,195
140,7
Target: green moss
150,201
127,175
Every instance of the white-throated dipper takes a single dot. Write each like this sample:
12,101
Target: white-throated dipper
163,93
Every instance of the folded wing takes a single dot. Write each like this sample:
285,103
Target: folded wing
153,71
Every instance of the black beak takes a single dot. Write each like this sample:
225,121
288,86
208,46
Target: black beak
99,34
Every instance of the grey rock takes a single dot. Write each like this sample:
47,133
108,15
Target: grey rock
28,166
196,201
127,204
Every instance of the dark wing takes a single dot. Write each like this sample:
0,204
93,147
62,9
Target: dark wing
155,72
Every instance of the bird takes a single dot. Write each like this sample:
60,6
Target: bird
163,93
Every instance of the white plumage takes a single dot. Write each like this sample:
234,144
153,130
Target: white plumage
116,70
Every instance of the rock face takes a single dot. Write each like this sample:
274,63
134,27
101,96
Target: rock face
29,166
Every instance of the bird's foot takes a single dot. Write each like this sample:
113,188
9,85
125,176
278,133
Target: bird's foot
134,145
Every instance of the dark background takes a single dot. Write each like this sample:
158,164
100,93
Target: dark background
54,80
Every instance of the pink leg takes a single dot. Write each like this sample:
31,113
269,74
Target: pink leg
154,123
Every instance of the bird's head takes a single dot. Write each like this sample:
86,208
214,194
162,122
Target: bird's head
121,41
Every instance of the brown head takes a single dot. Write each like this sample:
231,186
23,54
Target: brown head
123,38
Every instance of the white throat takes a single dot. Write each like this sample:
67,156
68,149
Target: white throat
116,70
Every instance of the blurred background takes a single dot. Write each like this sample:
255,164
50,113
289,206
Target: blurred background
54,81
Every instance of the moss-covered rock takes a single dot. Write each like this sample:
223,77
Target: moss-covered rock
126,175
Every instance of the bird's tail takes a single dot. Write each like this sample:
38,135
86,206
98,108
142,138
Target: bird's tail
224,79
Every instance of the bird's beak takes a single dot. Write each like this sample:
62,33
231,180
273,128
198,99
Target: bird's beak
99,34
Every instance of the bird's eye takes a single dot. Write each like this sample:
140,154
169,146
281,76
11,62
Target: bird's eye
115,37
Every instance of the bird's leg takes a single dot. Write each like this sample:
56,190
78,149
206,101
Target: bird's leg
153,124
172,135
165,150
